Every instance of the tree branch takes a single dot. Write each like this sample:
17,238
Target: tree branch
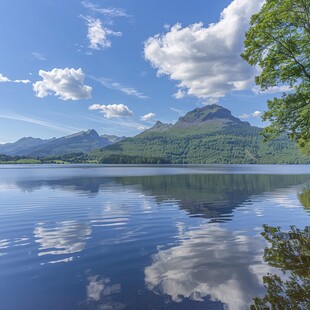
290,53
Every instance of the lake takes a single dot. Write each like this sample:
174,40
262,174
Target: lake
135,237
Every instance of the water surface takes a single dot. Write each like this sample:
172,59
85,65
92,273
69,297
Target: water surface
134,237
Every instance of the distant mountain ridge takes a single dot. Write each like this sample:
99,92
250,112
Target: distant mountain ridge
84,141
206,135
19,147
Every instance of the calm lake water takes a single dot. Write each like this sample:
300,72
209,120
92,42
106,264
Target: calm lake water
134,237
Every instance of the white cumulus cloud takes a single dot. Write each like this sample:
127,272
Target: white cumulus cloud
142,128
22,81
256,113
98,35
4,79
179,94
67,84
253,114
112,110
147,117
206,61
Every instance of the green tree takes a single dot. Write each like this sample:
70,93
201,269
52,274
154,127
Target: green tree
278,41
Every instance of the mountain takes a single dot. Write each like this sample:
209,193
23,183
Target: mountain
84,141
210,134
112,139
159,126
212,115
18,147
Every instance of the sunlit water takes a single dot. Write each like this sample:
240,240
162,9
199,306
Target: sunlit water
85,237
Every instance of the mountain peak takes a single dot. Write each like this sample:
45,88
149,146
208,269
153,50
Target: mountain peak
158,123
92,132
159,126
207,113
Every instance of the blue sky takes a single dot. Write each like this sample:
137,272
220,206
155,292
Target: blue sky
118,66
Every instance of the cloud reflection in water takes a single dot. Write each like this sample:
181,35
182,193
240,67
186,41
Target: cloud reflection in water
100,293
210,262
101,287
62,238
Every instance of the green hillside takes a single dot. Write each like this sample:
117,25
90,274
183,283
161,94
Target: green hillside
205,135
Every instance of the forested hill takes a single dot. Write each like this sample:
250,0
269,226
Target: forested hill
205,135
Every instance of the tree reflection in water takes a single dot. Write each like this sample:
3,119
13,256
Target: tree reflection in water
304,198
289,251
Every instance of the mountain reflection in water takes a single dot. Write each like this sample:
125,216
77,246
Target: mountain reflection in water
210,196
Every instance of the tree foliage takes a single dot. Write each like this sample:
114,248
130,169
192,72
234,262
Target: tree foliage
278,41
